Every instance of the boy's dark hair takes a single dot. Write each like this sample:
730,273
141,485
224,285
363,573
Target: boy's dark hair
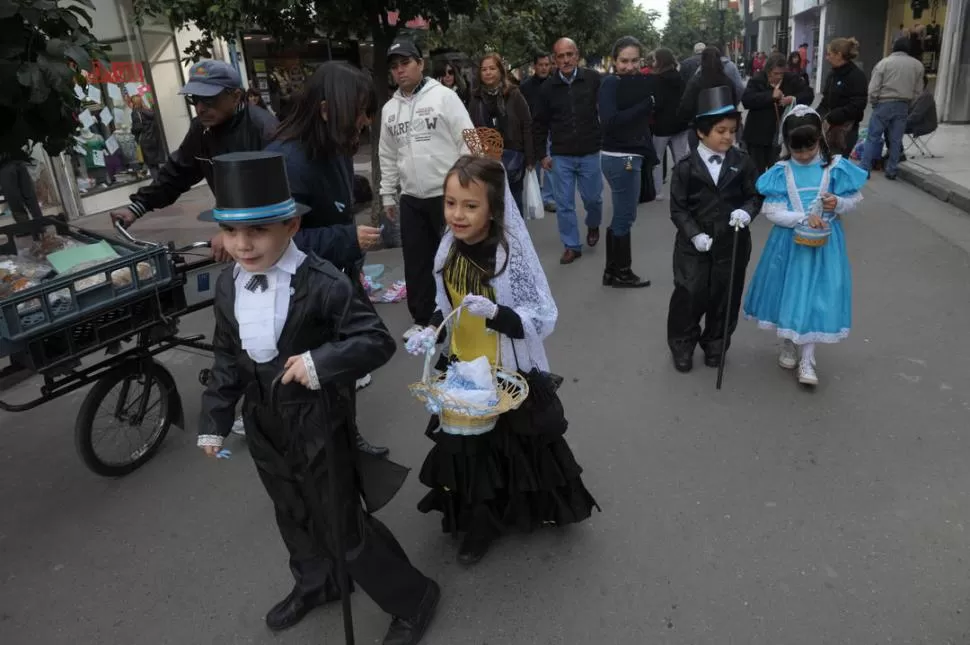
535,59
704,124
491,173
803,132
348,92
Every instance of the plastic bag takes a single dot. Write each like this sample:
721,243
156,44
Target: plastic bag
471,383
532,196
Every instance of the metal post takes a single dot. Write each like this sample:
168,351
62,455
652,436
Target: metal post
783,30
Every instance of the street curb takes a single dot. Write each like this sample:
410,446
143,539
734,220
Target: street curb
943,189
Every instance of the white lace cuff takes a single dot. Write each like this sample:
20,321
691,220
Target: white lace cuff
848,203
311,370
210,440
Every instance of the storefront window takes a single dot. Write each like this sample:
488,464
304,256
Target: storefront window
921,21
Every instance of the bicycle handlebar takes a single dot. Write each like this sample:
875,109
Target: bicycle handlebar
123,232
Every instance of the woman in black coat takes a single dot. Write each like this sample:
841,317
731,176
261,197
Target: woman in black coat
711,74
145,129
845,95
767,96
669,129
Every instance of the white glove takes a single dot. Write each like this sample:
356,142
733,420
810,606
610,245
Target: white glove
702,242
740,218
422,342
479,306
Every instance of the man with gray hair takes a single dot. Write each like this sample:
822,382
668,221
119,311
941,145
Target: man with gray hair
689,66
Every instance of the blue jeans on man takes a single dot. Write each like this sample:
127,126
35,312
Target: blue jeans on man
568,171
887,118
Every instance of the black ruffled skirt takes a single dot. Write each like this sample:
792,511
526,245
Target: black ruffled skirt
517,476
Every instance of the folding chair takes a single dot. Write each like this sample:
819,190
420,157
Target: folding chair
922,145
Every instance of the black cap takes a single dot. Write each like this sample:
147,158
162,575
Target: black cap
406,48
251,188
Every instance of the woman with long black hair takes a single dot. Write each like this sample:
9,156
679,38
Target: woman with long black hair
711,74
318,140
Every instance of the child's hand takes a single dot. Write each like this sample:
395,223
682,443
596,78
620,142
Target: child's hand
829,202
479,306
816,222
211,451
295,370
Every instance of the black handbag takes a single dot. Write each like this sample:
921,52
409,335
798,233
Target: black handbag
542,412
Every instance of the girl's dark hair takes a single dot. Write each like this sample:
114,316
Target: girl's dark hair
461,85
704,124
624,42
795,58
491,174
349,93
252,93
664,59
803,132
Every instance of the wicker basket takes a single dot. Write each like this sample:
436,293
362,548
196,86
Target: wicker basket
805,235
458,417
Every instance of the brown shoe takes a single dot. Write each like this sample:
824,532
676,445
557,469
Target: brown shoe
569,256
593,237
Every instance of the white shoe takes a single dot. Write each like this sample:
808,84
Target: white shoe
238,427
412,330
788,358
660,198
806,373
364,381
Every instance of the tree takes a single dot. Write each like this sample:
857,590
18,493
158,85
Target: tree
694,21
43,47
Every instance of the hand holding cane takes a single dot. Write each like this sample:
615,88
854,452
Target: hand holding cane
727,309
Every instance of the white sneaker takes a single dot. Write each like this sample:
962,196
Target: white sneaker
806,373
788,358
412,330
660,198
238,427
364,381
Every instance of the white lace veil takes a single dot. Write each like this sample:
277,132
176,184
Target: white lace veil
522,287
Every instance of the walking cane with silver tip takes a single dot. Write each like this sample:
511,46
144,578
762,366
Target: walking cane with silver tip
727,311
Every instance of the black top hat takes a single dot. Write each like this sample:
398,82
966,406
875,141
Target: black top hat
715,101
251,188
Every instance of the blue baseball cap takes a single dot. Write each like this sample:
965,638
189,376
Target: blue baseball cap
210,77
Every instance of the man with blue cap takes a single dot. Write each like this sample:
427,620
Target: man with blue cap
226,122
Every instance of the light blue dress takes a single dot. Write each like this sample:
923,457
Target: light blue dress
804,293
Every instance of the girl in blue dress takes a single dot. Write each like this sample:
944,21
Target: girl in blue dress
802,292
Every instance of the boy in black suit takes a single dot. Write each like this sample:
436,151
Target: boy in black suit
712,191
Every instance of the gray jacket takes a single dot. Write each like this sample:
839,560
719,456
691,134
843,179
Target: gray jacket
897,77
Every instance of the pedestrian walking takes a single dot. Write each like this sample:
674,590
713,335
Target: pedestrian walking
712,73
568,112
845,94
144,126
18,188
450,76
767,96
712,191
896,82
273,282
541,69
802,288
499,105
669,129
421,138
521,474
626,101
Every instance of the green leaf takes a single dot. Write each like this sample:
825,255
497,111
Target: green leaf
56,47
79,56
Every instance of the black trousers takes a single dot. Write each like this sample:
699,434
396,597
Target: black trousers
764,157
422,225
304,504
18,188
700,291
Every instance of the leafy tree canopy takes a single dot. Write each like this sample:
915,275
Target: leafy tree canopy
698,21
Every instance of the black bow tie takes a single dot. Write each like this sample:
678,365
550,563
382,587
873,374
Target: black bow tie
257,282
715,159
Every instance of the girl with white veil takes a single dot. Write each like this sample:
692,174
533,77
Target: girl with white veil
521,474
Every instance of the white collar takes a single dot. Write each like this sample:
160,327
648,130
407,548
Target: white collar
706,153
289,262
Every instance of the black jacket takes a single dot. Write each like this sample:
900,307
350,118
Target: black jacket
698,206
626,103
668,91
570,113
250,129
530,90
688,67
145,128
688,103
761,126
845,95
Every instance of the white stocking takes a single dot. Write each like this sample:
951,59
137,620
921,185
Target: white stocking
808,353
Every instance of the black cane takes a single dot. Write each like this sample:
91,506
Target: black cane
336,511
727,311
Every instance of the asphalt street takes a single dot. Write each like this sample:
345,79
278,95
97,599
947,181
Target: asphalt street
763,514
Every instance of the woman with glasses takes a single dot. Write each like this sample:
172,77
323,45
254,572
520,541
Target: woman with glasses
449,76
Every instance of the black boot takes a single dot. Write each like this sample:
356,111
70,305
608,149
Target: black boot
365,446
610,270
623,275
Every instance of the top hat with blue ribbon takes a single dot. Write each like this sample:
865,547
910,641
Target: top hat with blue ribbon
715,101
251,188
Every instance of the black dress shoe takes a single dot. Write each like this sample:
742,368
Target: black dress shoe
712,360
409,631
375,451
473,548
593,236
683,363
292,609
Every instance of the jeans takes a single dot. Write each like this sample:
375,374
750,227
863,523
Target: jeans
888,117
625,187
568,170
547,182
678,148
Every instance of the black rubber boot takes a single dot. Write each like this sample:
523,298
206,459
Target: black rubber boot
610,270
623,275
